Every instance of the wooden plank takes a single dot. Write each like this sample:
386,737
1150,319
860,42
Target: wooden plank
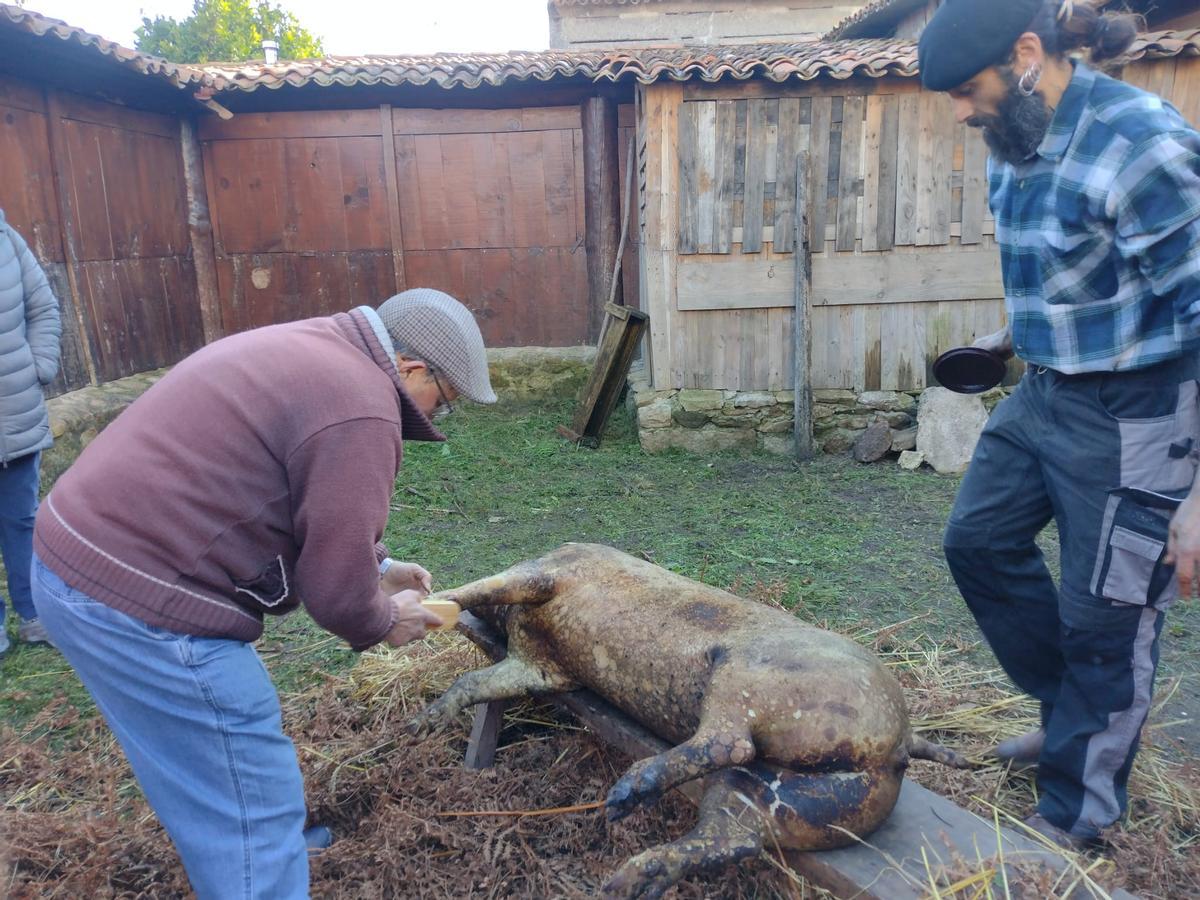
936,164
602,206
77,108
840,280
485,734
706,175
872,164
788,146
975,187
689,175
391,180
819,145
659,138
23,95
622,333
850,181
200,232
697,90
60,162
753,196
885,229
724,173
802,425
27,178
486,121
907,148
283,125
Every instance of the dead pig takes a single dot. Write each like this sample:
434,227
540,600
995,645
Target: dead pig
800,732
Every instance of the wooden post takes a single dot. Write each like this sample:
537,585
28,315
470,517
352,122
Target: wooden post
601,204
802,330
60,161
200,231
485,734
391,179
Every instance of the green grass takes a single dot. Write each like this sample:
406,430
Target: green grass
837,541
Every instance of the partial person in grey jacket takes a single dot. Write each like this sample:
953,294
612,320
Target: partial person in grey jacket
30,329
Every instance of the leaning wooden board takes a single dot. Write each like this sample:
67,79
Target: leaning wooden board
888,867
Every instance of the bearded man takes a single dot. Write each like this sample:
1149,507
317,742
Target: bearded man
1095,187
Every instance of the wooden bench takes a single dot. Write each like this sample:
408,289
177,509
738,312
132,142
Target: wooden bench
889,865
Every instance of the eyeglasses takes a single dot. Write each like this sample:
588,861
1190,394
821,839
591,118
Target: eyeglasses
445,407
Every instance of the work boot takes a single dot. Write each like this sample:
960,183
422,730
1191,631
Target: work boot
32,631
1055,835
1023,750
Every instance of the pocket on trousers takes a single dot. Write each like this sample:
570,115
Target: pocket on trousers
1130,567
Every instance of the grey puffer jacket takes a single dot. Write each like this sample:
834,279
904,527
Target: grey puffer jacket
30,329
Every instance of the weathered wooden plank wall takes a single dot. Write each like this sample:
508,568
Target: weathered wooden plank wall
905,264
98,191
487,205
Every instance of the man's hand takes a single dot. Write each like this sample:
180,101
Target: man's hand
402,576
999,342
1183,546
413,621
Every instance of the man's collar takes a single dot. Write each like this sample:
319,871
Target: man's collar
1068,115
376,323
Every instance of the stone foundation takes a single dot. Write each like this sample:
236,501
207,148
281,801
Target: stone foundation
707,421
539,373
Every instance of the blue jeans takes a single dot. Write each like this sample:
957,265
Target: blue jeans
18,508
200,722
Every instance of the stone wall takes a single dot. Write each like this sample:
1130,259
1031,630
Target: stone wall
705,421
708,421
539,373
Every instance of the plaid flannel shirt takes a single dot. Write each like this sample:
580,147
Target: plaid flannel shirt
1099,232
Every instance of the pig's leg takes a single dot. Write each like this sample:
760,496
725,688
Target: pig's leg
526,583
722,739
729,831
506,680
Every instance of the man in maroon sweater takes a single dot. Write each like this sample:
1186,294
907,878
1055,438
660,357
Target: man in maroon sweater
254,477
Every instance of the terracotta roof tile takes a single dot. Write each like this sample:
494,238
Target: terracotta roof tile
777,62
45,27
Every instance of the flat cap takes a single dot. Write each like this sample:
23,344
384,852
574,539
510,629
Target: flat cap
440,330
967,36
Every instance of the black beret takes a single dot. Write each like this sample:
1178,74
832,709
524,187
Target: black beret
966,36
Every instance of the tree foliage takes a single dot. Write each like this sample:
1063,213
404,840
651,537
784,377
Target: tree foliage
227,30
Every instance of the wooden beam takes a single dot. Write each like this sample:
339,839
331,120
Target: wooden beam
392,180
601,205
843,279
200,231
485,734
802,427
60,161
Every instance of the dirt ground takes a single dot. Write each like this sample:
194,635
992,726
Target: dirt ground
853,547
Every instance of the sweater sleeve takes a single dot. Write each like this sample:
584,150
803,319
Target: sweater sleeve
43,325
341,482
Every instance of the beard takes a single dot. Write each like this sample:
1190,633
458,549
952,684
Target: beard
1019,126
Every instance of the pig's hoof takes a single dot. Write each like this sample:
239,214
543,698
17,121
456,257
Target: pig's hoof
626,795
644,877
424,723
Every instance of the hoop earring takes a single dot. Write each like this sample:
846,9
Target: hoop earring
1030,80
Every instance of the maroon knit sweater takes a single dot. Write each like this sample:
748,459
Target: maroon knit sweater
254,477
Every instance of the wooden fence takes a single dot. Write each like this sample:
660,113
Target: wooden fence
314,212
904,265
98,192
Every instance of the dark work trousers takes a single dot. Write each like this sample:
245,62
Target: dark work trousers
1063,447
